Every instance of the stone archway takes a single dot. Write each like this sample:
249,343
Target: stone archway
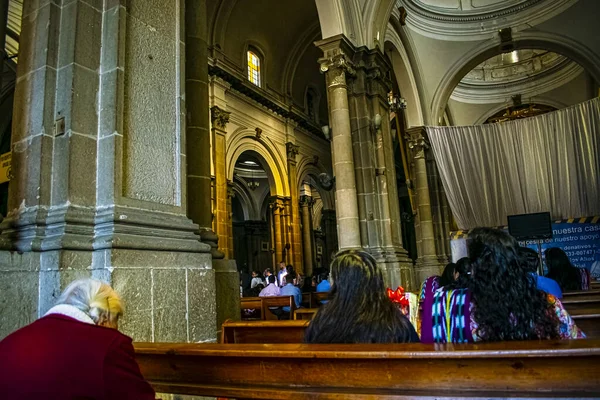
560,44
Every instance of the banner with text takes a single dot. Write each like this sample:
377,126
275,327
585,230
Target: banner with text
579,238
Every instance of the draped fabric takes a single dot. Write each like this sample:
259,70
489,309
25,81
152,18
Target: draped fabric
546,163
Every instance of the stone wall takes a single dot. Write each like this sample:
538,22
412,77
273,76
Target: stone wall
100,168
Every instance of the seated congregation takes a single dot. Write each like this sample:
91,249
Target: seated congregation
76,350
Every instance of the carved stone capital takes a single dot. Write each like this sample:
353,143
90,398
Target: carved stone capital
276,203
338,52
219,118
307,201
337,62
417,141
292,150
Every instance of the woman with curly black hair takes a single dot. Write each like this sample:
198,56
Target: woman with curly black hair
499,302
359,310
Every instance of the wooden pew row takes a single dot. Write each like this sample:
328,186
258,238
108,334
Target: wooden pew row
584,307
263,331
553,369
305,313
265,303
581,293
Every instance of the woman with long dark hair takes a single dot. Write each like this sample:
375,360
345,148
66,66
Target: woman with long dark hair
359,310
563,272
447,276
498,302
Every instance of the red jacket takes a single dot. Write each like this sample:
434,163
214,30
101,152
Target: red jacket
58,357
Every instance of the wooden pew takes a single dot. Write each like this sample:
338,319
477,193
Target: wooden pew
317,297
263,331
550,369
276,302
305,313
580,293
589,323
584,307
252,303
263,304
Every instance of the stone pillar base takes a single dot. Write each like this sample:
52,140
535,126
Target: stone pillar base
227,283
169,296
397,267
427,266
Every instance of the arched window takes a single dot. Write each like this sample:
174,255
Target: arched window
253,68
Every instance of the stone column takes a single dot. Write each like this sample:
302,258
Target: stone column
285,239
100,176
329,228
197,130
447,221
296,242
307,229
441,236
272,235
219,120
337,64
3,23
230,195
427,263
277,217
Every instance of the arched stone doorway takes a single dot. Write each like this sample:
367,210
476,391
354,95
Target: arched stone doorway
251,234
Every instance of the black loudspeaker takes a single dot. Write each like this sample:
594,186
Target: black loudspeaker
530,226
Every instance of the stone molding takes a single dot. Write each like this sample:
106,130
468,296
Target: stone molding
84,228
447,24
219,118
534,85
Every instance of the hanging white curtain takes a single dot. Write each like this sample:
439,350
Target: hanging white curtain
546,163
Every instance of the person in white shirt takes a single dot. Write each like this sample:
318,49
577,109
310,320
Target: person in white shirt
281,274
256,279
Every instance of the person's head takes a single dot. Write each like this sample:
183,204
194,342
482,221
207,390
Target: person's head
255,274
447,276
359,310
508,305
561,270
323,276
556,259
289,268
96,299
530,259
282,265
271,279
290,277
462,272
267,272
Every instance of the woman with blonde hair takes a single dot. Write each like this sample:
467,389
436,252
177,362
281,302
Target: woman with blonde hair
74,351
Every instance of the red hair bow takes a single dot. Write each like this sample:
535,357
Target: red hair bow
398,296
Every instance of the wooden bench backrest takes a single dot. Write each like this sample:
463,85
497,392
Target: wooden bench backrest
305,313
317,297
263,331
584,307
276,302
567,369
263,304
